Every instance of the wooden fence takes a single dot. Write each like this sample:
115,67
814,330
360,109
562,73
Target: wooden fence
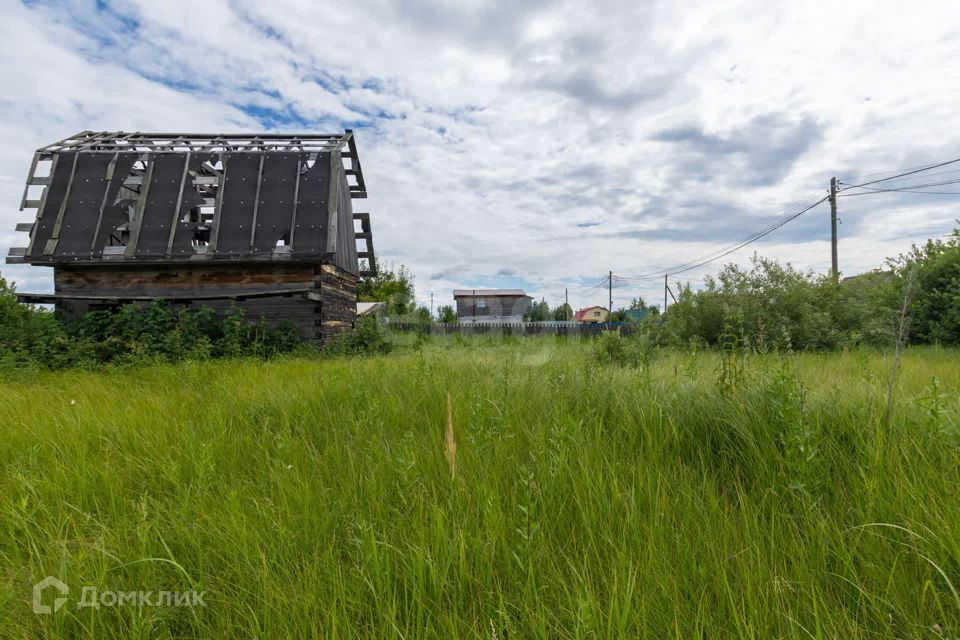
569,329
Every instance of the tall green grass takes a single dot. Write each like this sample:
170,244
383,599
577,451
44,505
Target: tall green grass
314,499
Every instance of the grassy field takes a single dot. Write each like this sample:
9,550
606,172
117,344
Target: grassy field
698,497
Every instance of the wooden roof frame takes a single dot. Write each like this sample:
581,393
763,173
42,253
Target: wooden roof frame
151,146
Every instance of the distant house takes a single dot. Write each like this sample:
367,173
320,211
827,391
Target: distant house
371,309
591,315
492,305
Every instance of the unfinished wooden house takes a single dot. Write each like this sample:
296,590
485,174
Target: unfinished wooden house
265,222
502,306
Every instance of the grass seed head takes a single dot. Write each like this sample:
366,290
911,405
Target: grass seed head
450,443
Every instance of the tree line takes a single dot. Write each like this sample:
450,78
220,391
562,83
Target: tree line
767,305
774,305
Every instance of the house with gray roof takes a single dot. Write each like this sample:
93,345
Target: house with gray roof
505,306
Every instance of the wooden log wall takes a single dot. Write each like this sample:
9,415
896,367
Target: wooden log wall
338,291
328,309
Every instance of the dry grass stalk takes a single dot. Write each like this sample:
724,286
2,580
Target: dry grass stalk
450,442
901,338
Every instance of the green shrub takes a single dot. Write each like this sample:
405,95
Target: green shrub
634,350
935,298
423,338
30,335
778,308
366,338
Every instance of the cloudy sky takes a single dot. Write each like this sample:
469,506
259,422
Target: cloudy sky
528,144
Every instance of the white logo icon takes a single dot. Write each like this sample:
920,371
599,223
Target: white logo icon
38,589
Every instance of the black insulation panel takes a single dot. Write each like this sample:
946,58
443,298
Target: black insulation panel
309,238
237,200
86,196
162,198
275,212
56,192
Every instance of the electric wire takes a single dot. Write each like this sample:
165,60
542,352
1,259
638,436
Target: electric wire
903,188
768,225
906,173
925,175
755,232
601,283
928,193
756,237
901,170
790,217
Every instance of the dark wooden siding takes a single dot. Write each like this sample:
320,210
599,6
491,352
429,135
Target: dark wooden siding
314,319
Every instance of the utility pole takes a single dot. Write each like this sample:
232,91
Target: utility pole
566,303
665,287
431,304
833,228
610,286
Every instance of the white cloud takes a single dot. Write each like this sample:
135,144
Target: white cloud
489,131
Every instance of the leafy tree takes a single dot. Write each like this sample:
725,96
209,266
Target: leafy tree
395,288
30,334
620,315
540,311
563,312
775,306
935,299
423,316
446,314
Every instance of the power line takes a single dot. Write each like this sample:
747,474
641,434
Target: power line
755,233
906,173
629,279
595,286
768,225
907,188
756,237
883,173
936,173
911,186
929,193
786,218
755,227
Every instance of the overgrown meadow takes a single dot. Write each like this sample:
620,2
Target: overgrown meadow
596,490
